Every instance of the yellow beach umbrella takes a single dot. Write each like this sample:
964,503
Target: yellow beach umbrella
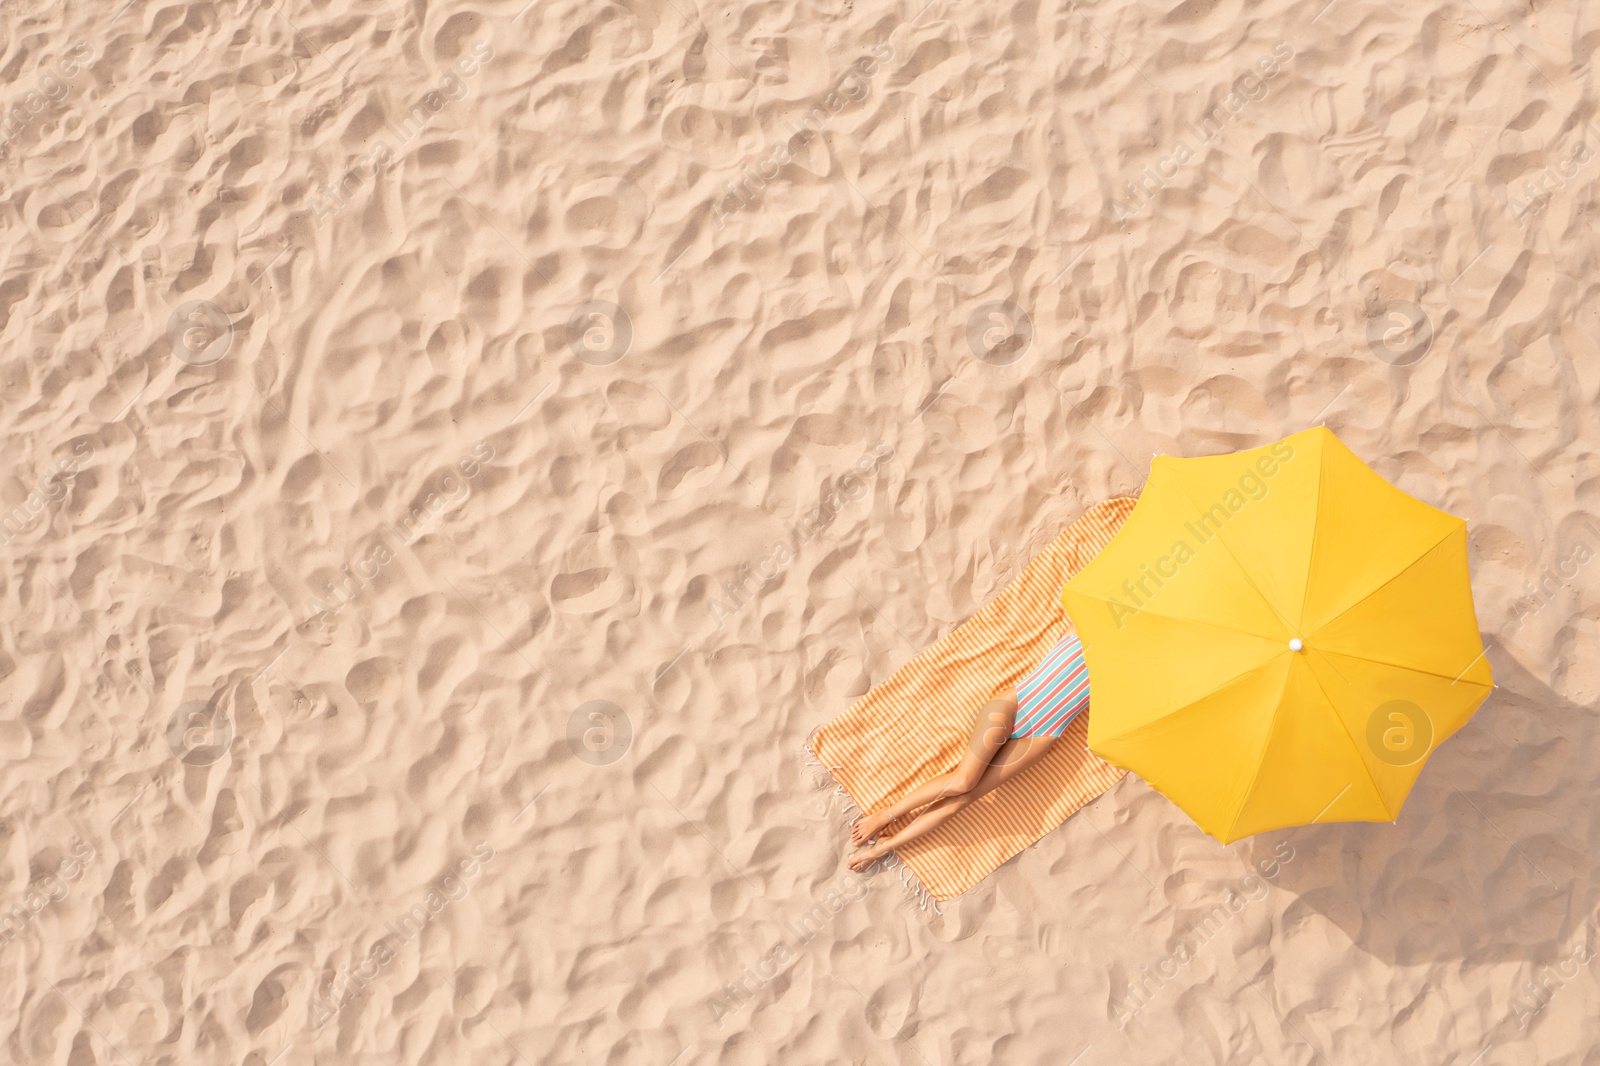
1278,637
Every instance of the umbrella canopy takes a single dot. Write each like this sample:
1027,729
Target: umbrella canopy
1278,637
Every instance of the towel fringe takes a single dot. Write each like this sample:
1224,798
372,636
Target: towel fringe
822,773
914,887
909,881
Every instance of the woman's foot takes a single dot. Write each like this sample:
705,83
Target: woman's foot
867,856
867,827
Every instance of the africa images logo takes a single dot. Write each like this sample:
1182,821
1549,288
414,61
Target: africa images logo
1399,733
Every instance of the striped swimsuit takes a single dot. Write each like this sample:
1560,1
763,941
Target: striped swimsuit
1050,697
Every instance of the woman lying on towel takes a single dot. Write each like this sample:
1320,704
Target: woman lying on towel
1012,734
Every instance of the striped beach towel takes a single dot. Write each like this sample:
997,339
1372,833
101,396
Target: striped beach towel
917,723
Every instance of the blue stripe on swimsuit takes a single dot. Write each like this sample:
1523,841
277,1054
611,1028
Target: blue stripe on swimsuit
1057,690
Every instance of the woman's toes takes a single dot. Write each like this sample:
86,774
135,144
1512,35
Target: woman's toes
865,857
864,830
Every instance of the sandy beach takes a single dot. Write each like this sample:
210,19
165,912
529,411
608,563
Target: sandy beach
455,456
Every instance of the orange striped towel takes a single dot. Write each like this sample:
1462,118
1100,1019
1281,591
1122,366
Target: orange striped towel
918,723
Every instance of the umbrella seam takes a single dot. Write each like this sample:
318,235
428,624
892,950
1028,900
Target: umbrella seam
1398,574
1185,706
1261,758
1376,791
1222,539
1401,666
1316,533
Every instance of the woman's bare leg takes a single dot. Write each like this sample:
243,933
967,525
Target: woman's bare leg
993,730
1015,757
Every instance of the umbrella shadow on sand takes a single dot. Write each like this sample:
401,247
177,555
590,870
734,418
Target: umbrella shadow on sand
1488,861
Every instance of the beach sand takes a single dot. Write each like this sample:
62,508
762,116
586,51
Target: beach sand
454,455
